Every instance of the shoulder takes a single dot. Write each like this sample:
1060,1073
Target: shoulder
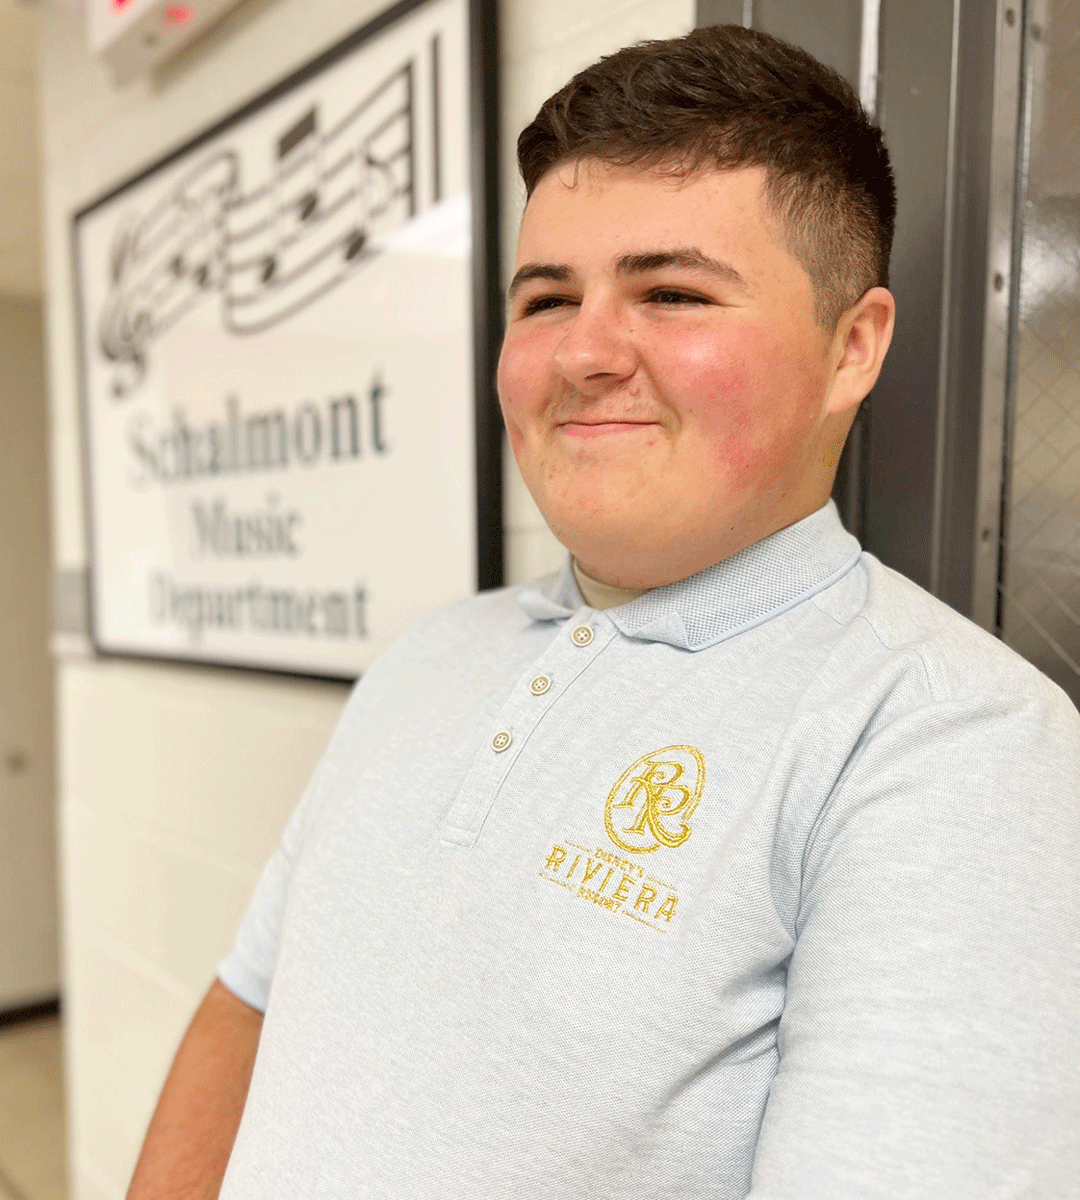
472,630
919,693
956,657
960,750
487,614
445,657
469,616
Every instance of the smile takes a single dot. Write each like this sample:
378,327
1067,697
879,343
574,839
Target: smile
589,429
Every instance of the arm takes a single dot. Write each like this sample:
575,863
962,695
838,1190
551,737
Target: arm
930,1042
192,1130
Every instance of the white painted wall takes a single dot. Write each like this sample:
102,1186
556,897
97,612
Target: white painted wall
175,781
20,198
28,954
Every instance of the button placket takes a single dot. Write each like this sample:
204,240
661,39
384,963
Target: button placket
530,698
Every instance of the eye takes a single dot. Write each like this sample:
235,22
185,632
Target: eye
539,304
674,296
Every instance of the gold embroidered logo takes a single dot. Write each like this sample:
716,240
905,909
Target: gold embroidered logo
632,893
651,804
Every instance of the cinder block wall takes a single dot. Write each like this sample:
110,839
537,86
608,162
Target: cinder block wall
175,781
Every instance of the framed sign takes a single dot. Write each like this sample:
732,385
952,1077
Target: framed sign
288,330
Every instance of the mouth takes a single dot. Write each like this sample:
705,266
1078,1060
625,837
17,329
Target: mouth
589,429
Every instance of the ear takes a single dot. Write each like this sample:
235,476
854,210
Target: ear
862,337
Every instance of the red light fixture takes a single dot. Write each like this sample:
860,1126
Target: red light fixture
176,14
119,4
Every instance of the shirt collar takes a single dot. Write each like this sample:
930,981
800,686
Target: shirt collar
726,599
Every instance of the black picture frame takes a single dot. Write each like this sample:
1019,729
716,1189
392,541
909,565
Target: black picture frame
487,299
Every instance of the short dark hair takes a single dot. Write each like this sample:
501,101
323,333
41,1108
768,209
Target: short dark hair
724,96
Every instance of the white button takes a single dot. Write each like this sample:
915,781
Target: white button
581,636
539,685
500,741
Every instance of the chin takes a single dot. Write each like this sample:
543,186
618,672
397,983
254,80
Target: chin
590,500
599,541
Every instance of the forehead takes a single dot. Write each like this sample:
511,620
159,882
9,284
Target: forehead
603,208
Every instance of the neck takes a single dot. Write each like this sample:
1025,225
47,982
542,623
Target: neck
602,595
629,569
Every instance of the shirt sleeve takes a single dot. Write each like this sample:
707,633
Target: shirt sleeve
930,1040
248,968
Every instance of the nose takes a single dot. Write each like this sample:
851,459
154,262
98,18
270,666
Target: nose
597,348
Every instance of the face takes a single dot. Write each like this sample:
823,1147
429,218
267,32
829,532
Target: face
668,393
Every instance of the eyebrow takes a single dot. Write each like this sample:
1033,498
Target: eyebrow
682,256
556,272
687,257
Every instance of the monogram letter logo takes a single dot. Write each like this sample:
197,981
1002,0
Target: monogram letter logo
654,799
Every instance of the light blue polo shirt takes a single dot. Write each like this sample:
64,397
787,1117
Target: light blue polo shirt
763,884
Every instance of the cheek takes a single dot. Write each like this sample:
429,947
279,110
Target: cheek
510,379
520,377
749,398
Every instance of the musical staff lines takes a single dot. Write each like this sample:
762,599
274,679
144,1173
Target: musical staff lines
269,252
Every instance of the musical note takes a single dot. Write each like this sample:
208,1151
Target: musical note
307,205
269,252
355,245
302,131
360,174
163,264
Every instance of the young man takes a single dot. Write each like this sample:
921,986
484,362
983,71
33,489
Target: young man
724,863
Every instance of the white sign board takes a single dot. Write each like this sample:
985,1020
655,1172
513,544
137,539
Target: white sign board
277,345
